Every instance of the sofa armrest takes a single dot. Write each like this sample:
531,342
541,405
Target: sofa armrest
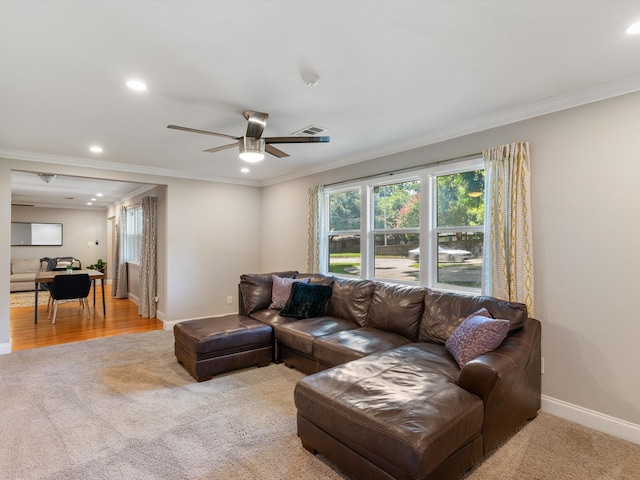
508,382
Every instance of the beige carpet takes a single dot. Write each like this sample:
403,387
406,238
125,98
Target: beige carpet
122,408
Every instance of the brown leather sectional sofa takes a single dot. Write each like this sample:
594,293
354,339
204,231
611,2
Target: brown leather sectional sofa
385,398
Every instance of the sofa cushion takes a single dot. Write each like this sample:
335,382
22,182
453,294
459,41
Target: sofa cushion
299,335
476,335
307,301
444,311
317,278
399,408
342,347
25,265
23,277
271,317
397,308
281,289
351,299
256,289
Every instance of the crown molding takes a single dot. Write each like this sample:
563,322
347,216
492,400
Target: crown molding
578,98
575,99
119,167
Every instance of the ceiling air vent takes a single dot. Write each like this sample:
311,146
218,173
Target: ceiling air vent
311,130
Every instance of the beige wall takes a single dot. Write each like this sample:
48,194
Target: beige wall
585,171
79,227
211,235
133,271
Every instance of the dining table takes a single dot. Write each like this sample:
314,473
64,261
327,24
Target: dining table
47,276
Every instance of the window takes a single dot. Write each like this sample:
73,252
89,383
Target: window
133,239
425,227
396,230
343,236
459,229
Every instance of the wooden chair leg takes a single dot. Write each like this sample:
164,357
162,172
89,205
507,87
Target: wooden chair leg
55,311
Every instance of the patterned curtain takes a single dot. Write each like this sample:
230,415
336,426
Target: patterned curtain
507,270
314,229
148,278
119,282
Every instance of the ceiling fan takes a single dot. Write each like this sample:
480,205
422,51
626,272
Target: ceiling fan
252,146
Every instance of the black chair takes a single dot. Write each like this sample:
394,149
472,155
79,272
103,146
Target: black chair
69,287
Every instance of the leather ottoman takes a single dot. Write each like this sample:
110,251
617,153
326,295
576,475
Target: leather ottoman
209,346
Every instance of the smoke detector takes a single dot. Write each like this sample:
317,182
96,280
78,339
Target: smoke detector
310,78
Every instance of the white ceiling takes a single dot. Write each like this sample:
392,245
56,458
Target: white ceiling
393,75
28,189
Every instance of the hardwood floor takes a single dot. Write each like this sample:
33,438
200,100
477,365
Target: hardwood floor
73,324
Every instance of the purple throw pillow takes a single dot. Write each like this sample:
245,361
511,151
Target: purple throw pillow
475,336
282,289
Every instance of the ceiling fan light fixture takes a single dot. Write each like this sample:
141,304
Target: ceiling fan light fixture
251,149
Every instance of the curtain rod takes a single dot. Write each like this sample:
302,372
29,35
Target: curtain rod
408,169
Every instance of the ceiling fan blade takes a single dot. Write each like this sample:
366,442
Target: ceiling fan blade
256,121
275,151
219,149
195,130
296,139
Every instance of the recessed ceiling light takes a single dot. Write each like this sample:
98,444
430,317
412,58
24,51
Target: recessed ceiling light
93,199
98,194
245,170
96,149
89,203
633,29
137,85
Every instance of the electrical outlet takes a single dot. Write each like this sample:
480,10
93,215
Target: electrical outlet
229,300
157,299
542,365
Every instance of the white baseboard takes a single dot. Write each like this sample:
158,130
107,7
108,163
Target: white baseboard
5,348
168,324
133,298
592,419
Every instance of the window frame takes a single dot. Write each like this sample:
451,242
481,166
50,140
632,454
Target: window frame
372,232
326,233
431,267
428,230
133,237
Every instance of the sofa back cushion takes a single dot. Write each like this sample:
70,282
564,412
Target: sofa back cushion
444,311
317,278
256,289
350,300
397,309
25,265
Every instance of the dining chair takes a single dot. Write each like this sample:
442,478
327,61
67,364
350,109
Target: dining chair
69,287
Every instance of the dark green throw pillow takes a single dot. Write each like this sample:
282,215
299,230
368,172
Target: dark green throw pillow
307,300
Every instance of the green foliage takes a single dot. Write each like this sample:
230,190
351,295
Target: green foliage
344,211
397,205
456,207
99,266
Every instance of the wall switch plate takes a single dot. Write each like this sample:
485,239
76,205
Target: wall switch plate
229,300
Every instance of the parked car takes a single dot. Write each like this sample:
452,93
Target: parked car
444,255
